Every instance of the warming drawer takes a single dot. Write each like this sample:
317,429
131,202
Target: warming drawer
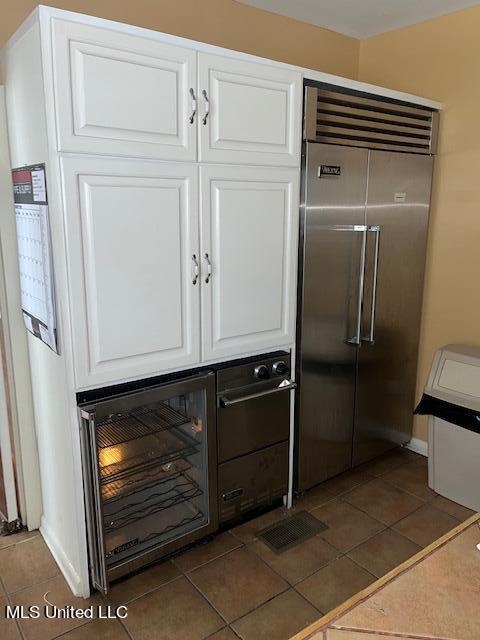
254,424
253,481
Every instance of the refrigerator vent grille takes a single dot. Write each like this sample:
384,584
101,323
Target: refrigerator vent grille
364,120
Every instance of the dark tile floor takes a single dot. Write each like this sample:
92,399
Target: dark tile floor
235,586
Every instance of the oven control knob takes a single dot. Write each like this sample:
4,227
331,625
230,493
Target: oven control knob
261,372
280,368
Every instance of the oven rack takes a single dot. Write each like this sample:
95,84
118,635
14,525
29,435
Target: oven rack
142,480
123,427
189,491
127,466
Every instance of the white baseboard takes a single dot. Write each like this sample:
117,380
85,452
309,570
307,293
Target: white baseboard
65,566
418,446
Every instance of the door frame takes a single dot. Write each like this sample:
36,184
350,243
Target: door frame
21,437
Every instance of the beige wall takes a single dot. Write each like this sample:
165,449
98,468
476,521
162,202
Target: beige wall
440,59
222,22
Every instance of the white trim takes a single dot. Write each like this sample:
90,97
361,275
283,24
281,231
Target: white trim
418,446
310,74
24,443
78,587
6,446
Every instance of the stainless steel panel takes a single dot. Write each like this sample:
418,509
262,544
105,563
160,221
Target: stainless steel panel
368,115
241,375
434,134
373,124
133,491
373,144
376,103
328,310
260,391
252,424
398,203
93,507
368,133
355,119
252,481
310,113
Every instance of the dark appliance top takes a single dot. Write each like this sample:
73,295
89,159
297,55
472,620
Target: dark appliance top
272,367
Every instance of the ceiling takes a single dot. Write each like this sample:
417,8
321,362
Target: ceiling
362,18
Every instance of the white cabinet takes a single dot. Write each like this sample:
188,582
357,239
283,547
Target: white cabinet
132,231
139,304
123,95
133,225
249,228
253,113
127,95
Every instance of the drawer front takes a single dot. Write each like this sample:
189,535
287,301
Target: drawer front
123,95
252,481
252,425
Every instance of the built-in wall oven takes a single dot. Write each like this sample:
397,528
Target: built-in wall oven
150,466
253,426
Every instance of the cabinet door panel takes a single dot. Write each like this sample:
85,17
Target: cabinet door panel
249,230
121,94
132,230
255,112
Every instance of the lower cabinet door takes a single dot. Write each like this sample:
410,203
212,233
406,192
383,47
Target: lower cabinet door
132,245
249,239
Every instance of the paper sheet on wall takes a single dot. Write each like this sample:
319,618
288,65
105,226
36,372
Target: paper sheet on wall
34,253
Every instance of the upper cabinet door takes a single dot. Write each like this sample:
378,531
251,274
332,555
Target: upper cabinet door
249,112
249,239
123,95
132,247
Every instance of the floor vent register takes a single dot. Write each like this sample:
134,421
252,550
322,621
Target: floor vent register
289,532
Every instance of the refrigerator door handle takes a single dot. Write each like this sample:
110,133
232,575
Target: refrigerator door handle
356,339
370,339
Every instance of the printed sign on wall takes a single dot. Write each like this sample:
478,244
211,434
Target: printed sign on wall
34,252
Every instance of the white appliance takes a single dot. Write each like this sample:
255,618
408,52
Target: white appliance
452,400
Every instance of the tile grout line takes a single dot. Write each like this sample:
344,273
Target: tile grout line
204,564
146,593
292,585
308,602
7,596
36,584
385,580
13,544
204,597
288,587
120,620
386,525
410,514
362,483
362,567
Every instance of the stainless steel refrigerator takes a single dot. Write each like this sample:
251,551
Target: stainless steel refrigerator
363,240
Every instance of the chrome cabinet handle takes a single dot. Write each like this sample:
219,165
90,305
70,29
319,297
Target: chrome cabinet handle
194,106
207,107
209,268
371,334
356,340
196,269
225,402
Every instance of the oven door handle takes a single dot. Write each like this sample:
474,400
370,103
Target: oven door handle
225,402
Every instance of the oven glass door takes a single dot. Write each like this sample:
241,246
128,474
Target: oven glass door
149,455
